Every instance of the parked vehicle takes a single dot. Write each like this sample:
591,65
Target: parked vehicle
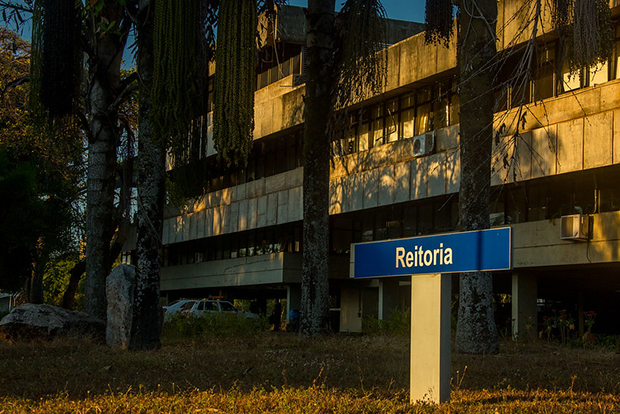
198,307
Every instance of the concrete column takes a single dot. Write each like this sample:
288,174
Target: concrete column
350,310
524,309
388,297
430,338
293,299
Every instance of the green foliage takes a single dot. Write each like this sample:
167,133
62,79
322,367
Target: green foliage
20,219
362,36
560,326
40,174
592,38
175,44
55,56
235,81
399,323
56,279
438,19
212,325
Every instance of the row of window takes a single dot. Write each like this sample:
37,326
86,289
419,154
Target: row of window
581,192
405,116
421,110
550,77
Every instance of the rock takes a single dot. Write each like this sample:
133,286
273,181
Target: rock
120,286
29,322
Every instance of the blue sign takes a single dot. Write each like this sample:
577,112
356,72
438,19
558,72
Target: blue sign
471,251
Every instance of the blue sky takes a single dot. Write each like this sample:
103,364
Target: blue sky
412,10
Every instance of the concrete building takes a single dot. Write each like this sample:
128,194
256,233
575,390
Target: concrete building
396,174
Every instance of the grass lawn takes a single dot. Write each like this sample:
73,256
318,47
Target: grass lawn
278,372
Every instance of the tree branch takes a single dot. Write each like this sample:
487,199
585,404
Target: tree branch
14,84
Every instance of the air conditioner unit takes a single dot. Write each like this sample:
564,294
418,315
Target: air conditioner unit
575,227
423,144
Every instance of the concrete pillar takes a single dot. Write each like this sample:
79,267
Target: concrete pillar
293,299
350,310
430,338
388,297
524,305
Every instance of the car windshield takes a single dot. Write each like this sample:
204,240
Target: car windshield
227,307
211,306
188,305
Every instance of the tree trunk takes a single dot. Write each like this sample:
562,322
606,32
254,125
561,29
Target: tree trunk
75,274
318,114
146,327
476,331
104,86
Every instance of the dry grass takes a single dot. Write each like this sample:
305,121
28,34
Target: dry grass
277,372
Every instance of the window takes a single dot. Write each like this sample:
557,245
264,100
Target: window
391,120
615,74
543,75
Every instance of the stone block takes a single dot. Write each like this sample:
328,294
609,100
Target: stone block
371,188
570,146
387,185
31,322
598,142
295,204
234,217
252,213
419,178
453,171
262,212
120,286
272,209
209,222
336,192
244,220
544,151
402,182
436,174
199,219
282,216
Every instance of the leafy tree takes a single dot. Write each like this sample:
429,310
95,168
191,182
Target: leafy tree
477,64
343,63
40,177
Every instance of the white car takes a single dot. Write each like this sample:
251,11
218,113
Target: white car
198,307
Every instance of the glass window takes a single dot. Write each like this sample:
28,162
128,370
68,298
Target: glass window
423,119
616,58
570,81
409,221
441,113
227,307
377,132
543,84
391,120
407,101
598,74
407,118
455,110
425,219
363,133
520,92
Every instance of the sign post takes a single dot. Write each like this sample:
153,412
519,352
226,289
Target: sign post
430,260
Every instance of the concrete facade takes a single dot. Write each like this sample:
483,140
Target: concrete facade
567,140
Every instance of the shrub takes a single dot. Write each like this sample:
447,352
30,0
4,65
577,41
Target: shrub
211,325
399,323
